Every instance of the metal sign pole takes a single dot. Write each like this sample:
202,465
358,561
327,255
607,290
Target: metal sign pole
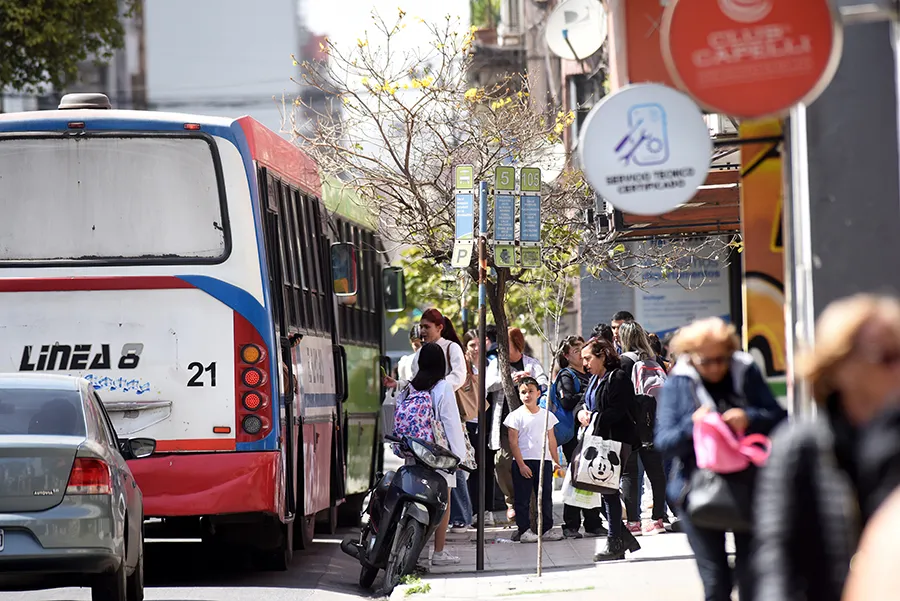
483,426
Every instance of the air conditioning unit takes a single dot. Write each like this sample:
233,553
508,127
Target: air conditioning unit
606,217
720,125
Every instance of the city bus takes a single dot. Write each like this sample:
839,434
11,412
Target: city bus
188,267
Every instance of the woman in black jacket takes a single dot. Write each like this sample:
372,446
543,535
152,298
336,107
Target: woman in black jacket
571,384
610,395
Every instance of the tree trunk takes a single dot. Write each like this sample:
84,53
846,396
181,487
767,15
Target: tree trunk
496,293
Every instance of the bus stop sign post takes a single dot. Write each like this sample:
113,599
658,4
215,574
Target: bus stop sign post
481,453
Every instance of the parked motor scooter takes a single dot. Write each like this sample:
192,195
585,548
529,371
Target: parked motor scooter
401,513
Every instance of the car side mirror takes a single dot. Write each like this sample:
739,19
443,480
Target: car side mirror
344,269
140,447
394,289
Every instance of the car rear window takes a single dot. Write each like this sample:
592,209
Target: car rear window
30,411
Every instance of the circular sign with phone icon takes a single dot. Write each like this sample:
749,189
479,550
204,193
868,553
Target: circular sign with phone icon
645,149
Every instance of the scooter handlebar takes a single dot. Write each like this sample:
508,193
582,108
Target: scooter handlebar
392,438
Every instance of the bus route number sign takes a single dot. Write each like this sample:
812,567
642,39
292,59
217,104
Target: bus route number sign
530,179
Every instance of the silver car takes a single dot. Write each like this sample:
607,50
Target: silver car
71,513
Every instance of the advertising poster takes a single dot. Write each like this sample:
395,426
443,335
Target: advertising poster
701,290
761,220
665,304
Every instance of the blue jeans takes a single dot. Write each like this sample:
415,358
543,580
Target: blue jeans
612,504
460,503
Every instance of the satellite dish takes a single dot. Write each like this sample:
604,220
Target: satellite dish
583,23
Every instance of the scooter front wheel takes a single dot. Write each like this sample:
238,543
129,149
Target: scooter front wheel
407,546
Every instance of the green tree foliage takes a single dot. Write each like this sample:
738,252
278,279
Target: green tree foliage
530,304
43,41
485,13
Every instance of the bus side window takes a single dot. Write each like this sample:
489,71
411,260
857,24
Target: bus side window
298,268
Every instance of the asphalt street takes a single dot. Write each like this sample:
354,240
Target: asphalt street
181,571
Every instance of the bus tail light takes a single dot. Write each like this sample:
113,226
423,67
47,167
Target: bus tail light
252,377
253,424
252,383
252,401
251,354
88,477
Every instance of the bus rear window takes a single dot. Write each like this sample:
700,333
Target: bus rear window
105,198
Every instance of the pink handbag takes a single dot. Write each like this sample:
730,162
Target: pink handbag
720,450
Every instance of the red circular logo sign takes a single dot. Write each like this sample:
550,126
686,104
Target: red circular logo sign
751,58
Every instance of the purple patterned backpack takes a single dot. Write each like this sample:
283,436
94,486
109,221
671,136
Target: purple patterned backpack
414,417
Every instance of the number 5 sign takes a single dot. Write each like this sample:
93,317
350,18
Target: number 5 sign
505,178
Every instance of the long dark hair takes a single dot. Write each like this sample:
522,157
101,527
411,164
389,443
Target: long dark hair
449,332
432,367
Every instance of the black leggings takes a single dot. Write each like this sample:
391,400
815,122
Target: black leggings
653,465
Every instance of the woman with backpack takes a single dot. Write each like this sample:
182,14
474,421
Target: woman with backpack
569,386
434,328
647,376
430,386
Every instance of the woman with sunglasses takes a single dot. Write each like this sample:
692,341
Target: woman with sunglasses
711,372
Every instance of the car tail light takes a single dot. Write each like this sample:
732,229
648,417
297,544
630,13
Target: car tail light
252,383
88,477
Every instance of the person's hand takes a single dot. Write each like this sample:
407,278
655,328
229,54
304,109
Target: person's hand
700,413
519,375
584,417
737,420
525,470
389,382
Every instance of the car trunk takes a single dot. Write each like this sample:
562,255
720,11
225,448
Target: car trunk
34,471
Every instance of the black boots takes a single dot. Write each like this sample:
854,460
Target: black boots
631,543
616,547
614,550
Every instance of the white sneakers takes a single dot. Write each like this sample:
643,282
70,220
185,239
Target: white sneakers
444,558
488,518
528,537
553,535
531,537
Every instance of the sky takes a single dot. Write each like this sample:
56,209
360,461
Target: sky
345,20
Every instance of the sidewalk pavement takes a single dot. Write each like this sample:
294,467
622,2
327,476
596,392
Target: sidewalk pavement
663,570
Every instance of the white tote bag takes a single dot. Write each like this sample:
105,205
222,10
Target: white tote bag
600,463
584,499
